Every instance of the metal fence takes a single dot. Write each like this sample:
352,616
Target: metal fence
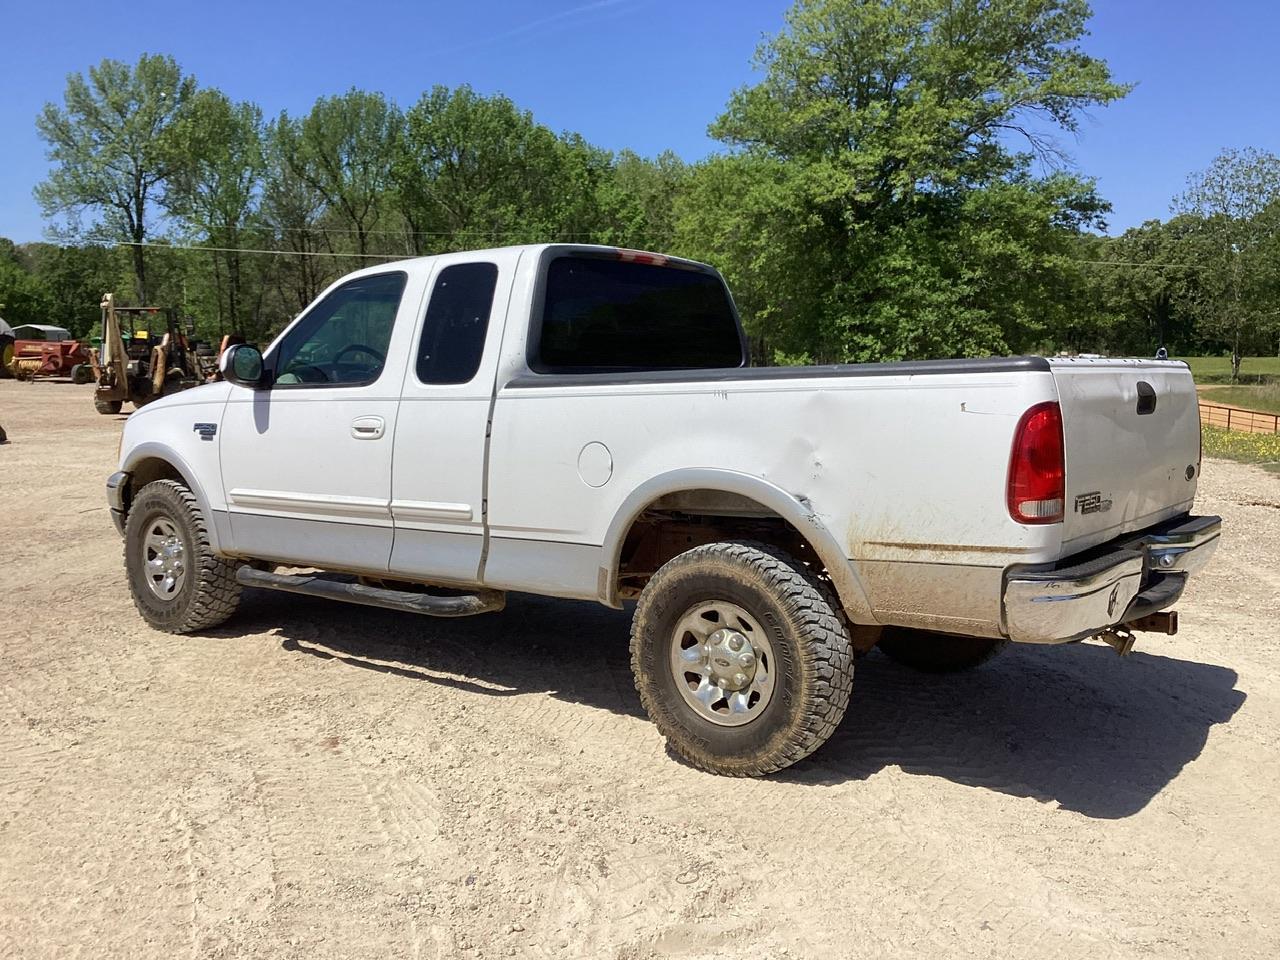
1237,418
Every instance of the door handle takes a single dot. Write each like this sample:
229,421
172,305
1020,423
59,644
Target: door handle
368,428
1146,398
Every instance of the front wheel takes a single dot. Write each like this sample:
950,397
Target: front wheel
742,658
178,583
933,652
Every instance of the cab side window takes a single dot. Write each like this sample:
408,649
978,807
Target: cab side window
457,320
343,339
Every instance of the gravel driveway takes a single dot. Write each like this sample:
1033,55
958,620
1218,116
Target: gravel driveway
317,780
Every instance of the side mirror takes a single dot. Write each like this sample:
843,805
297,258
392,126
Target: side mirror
242,365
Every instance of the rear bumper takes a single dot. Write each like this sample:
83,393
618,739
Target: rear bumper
1115,584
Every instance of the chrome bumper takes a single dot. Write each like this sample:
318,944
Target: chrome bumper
1133,578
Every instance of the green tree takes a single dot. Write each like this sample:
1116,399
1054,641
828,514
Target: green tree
214,188
1235,207
343,149
478,171
23,297
292,210
877,154
76,277
1140,288
637,200
111,148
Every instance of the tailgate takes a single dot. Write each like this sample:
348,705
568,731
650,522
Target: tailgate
1132,436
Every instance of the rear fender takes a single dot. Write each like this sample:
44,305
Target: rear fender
800,515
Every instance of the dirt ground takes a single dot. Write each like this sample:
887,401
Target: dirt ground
317,780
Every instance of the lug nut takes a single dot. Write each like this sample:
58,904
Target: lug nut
735,643
746,659
739,679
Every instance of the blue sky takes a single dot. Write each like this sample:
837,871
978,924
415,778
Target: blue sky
624,73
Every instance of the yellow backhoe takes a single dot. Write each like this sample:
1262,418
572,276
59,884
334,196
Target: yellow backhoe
139,365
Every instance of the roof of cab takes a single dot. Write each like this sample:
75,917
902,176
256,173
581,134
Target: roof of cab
644,256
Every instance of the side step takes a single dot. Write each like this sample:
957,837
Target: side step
318,585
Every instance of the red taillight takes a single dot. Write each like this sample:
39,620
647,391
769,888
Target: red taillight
1037,489
639,256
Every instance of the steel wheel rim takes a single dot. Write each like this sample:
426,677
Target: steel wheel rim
722,663
164,559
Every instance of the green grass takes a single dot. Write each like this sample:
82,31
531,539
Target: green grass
1266,398
1260,448
1254,370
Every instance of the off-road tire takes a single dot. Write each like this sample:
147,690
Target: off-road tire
6,355
210,593
107,407
932,652
806,627
81,374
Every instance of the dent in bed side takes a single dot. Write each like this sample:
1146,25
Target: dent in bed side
842,571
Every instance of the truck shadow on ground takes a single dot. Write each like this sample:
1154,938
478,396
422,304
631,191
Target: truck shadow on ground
1076,726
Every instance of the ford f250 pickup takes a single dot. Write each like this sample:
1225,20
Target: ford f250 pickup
582,422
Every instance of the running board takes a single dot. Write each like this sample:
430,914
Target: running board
317,585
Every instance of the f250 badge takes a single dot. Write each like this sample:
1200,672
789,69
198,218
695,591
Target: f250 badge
1092,502
207,431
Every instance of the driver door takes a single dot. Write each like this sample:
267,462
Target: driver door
306,463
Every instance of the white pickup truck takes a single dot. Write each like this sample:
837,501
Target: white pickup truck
581,422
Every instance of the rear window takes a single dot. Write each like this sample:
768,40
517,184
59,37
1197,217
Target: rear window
601,314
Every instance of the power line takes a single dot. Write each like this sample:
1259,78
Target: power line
277,253
287,253
1143,263
419,233
412,256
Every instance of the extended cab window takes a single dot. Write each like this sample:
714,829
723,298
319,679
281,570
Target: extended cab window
456,322
343,339
602,314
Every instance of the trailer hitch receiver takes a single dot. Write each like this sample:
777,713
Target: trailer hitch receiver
1165,622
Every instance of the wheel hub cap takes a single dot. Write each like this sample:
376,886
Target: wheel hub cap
722,663
165,558
731,660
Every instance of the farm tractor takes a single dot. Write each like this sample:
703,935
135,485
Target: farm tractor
140,365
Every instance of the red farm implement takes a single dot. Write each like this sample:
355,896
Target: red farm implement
51,358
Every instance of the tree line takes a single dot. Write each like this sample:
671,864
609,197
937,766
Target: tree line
893,187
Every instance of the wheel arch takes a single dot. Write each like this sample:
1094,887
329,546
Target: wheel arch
776,502
148,462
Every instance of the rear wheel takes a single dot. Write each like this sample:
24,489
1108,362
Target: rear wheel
178,583
107,407
937,652
742,658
